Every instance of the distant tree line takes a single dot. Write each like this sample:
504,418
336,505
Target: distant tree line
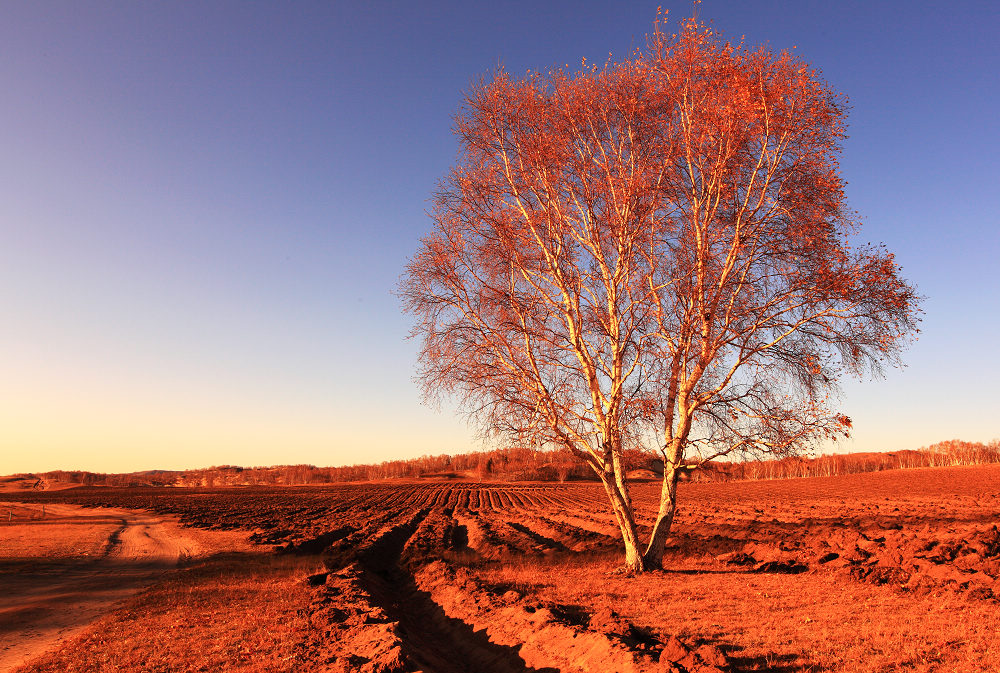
950,453
526,464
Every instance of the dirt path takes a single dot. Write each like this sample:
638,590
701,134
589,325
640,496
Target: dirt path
60,571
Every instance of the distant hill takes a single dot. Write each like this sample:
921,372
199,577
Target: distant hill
512,465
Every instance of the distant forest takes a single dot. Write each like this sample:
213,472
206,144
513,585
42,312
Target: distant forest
525,464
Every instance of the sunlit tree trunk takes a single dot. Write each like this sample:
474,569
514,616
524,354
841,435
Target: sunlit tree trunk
653,557
624,514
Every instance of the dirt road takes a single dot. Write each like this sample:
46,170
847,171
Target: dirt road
64,566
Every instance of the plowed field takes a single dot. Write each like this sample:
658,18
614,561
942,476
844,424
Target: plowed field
519,577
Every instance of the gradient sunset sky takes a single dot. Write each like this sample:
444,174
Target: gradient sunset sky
205,207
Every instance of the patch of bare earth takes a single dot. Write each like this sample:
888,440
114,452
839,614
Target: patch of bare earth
62,566
234,612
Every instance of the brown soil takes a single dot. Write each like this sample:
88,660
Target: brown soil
62,566
875,572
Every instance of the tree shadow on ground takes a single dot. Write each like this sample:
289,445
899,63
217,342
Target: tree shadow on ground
765,663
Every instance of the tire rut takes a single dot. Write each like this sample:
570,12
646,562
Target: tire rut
431,640
114,540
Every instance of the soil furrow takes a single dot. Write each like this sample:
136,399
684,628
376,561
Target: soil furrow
430,639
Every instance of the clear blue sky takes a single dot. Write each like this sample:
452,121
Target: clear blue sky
204,208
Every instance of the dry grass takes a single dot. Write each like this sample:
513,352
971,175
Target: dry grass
31,532
813,622
231,612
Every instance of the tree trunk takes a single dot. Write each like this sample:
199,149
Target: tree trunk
626,523
653,558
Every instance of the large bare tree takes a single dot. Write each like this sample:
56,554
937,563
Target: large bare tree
654,254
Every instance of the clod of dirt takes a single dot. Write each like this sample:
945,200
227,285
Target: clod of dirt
988,543
969,562
943,553
677,657
317,579
737,558
510,597
878,574
781,567
607,620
